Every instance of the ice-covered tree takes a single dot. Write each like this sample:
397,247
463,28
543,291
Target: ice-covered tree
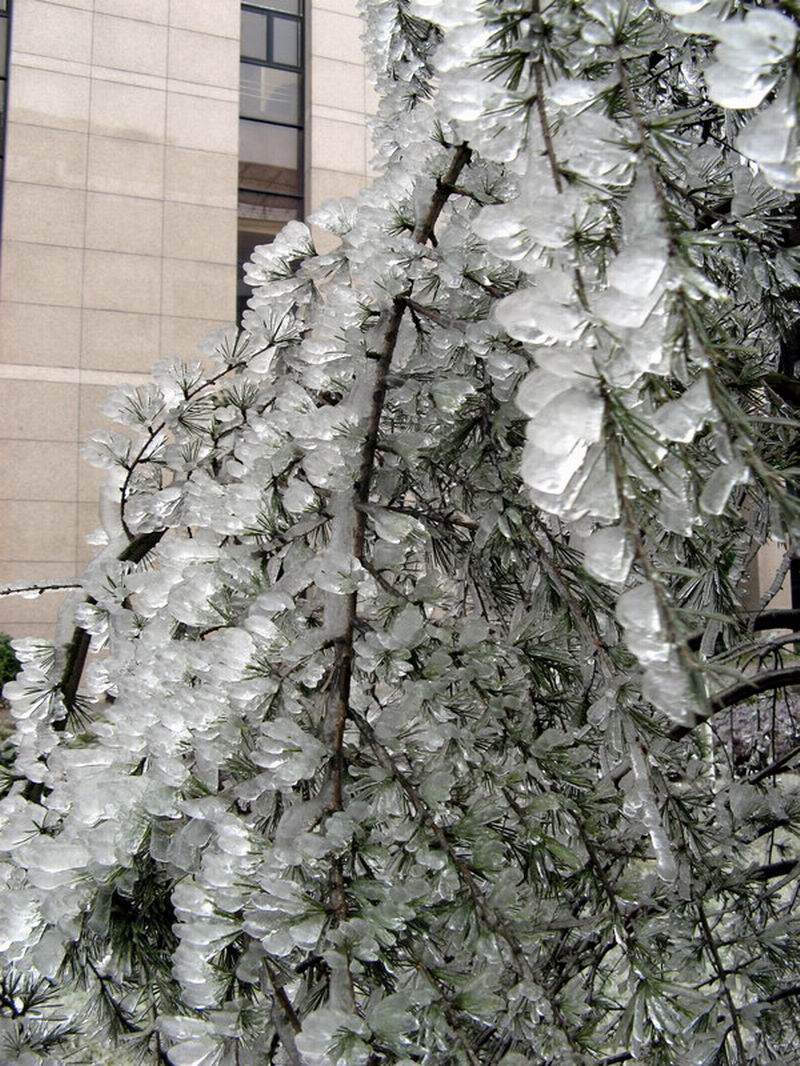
397,723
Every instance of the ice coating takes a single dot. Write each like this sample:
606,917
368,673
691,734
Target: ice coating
609,554
563,323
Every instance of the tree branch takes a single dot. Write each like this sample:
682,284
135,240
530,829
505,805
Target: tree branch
764,682
53,586
348,533
780,618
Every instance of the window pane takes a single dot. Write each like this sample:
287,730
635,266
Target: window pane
254,35
261,177
3,34
267,93
269,158
262,213
286,42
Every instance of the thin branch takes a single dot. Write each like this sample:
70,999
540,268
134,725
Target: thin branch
773,870
53,586
776,766
78,647
349,531
713,951
541,109
283,999
780,618
78,650
387,586
154,432
768,681
778,579
781,994
435,315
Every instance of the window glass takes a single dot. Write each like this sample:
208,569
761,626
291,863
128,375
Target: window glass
285,42
269,94
269,158
254,35
266,177
263,213
3,34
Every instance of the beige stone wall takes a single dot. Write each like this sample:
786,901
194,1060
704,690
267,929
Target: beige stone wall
119,243
763,572
339,101
119,230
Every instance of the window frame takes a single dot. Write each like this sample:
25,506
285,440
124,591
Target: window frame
269,5
269,17
293,200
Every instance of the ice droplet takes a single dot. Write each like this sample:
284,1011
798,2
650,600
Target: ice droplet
770,139
743,69
201,1052
717,490
639,613
681,419
644,798
609,554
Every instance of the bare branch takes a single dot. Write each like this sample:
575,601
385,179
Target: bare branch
26,588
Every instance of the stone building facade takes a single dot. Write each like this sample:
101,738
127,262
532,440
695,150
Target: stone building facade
149,145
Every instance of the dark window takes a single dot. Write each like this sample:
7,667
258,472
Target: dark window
254,36
271,39
270,126
285,41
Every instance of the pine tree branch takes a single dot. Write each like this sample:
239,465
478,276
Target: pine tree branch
156,430
768,681
781,994
284,1016
387,586
544,124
